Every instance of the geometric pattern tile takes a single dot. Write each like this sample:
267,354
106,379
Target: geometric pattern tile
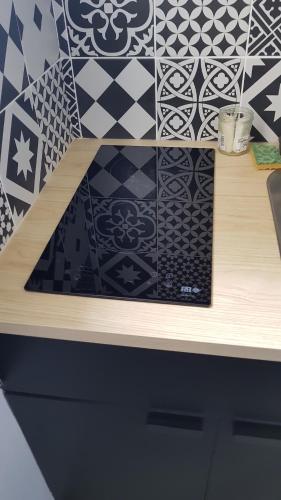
131,275
120,172
52,110
191,92
202,28
38,35
21,151
116,97
184,279
71,94
13,75
186,158
125,225
177,181
61,27
110,28
6,221
262,93
185,228
265,32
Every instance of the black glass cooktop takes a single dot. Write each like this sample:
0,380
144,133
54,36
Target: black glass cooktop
138,227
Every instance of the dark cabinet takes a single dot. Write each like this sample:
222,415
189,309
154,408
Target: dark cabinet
101,451
110,423
247,461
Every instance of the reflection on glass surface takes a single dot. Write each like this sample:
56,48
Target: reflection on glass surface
139,226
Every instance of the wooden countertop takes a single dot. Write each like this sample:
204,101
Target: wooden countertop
245,317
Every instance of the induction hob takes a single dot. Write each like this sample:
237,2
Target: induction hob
139,227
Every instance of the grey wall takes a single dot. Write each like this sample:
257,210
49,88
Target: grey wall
20,477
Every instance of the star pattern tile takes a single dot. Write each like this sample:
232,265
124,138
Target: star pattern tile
21,152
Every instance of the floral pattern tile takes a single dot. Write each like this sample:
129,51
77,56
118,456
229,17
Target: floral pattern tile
125,225
202,27
191,92
110,28
179,180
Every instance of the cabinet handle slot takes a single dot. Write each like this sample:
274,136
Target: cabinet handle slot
256,429
175,420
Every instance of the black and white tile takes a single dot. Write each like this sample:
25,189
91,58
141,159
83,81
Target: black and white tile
124,172
185,227
186,279
190,159
191,92
262,93
71,94
185,185
13,74
125,225
116,97
21,152
52,110
39,38
265,32
59,16
109,28
128,274
6,221
202,28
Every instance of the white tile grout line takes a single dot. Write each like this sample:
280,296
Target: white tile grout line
155,68
247,49
182,58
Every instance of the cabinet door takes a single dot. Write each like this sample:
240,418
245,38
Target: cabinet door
105,452
247,461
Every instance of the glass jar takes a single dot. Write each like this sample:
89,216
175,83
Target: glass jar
235,125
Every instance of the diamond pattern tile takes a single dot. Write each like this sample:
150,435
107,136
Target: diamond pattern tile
111,93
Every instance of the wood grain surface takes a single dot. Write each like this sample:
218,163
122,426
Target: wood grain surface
245,317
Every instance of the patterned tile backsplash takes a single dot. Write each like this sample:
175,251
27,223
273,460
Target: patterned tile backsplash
133,69
38,106
203,51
